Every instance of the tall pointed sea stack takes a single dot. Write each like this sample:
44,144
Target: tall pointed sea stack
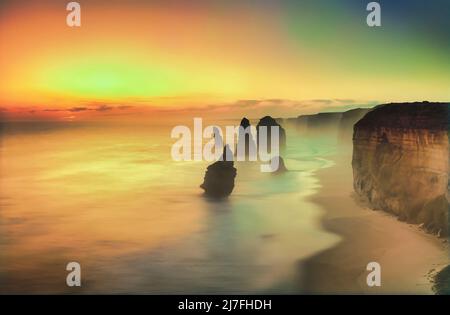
246,142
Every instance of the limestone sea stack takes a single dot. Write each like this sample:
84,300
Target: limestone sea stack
246,142
219,177
268,122
281,166
401,162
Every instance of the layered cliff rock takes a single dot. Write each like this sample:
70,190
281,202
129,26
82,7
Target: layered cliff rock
401,162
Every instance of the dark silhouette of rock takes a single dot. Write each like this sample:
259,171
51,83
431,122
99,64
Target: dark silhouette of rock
227,154
219,176
245,122
418,115
246,140
281,166
442,282
269,122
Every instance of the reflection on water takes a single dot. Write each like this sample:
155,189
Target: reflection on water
112,199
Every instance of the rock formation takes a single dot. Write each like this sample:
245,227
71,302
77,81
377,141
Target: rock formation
348,120
281,166
318,122
268,122
219,176
340,124
401,162
442,282
246,140
324,120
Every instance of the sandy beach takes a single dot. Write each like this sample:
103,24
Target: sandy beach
408,256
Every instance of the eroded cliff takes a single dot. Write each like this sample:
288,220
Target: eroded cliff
401,162
339,124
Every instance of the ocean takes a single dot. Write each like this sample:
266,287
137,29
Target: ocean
110,197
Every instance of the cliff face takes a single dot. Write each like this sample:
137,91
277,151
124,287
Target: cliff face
339,124
348,120
319,122
401,162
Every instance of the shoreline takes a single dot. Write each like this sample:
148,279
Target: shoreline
409,257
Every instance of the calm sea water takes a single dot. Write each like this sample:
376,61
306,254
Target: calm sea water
111,198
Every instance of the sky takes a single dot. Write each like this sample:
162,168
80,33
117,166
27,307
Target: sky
282,58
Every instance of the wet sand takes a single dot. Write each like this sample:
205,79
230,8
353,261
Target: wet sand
408,256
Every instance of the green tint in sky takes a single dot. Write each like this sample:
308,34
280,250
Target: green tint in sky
212,52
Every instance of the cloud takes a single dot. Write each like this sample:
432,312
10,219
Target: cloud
78,109
123,107
98,108
322,101
250,108
53,110
103,108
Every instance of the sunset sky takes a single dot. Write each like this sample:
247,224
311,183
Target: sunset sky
284,57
